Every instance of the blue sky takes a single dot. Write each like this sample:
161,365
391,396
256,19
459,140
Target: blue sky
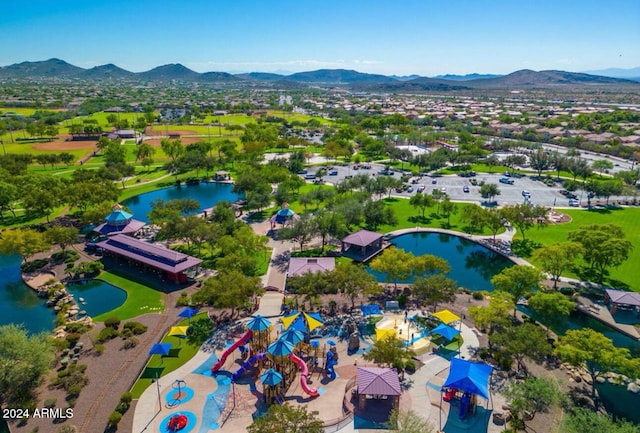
401,37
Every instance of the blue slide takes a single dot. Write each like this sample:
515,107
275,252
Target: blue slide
330,363
464,405
255,358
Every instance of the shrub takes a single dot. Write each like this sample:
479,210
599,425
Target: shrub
136,327
130,343
126,333
75,390
410,365
72,339
76,328
126,397
114,418
478,296
107,334
99,348
122,408
112,322
50,402
69,428
183,300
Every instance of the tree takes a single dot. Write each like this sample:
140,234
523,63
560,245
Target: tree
421,201
174,150
604,246
552,307
602,166
301,231
352,281
581,420
523,216
395,263
23,242
228,289
8,196
62,236
287,419
145,151
517,342
489,190
556,258
594,351
475,216
495,315
530,397
24,360
434,289
389,352
540,161
408,422
449,208
330,224
376,214
517,280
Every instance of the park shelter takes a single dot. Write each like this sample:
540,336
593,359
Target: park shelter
446,331
370,310
446,316
299,266
622,298
283,216
172,265
377,382
305,322
362,245
468,376
119,221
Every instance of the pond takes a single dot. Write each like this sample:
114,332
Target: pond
19,304
206,193
472,265
97,296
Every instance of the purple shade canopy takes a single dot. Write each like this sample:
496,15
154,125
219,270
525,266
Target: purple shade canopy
378,381
362,238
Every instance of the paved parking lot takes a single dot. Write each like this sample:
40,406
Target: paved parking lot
541,194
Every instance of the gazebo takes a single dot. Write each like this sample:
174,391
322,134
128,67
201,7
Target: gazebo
619,298
471,379
119,221
284,215
377,382
362,245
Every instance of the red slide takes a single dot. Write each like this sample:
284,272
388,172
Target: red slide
304,372
229,351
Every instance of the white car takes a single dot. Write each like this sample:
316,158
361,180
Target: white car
443,190
574,202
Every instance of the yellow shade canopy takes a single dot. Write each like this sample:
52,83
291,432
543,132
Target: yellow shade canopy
446,316
178,331
382,333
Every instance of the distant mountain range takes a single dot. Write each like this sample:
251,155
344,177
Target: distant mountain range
631,74
59,69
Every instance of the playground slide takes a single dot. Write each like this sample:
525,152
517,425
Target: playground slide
464,405
255,358
304,372
243,340
329,366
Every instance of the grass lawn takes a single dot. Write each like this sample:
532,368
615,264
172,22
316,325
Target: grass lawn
627,218
181,352
141,299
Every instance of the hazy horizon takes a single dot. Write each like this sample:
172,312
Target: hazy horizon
424,38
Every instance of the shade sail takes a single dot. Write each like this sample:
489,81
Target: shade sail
446,316
188,313
469,376
178,331
305,322
368,310
270,377
259,323
382,333
446,331
280,348
160,349
378,381
293,336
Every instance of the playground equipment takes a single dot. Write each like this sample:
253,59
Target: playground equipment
243,340
304,372
177,422
331,361
178,384
464,404
450,395
255,358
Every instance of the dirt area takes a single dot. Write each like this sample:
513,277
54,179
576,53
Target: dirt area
556,217
65,145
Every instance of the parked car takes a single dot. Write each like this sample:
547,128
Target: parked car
574,202
420,188
465,188
410,189
434,181
333,173
443,190
309,176
506,180
526,193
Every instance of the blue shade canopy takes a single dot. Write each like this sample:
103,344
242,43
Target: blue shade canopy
305,322
368,310
469,376
446,331
270,377
188,313
259,323
118,216
160,349
315,343
292,335
280,348
331,342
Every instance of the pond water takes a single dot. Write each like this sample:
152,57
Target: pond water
206,193
19,304
99,296
472,265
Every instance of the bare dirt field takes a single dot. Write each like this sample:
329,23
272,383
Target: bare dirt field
65,145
